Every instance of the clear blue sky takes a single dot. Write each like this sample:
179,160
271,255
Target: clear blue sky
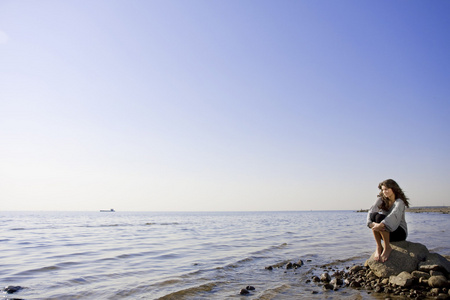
222,105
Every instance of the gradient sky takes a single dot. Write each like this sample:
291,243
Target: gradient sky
222,105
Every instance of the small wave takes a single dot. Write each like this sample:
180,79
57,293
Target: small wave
274,293
271,248
19,228
76,281
257,255
39,270
24,243
162,224
68,264
168,256
128,255
106,225
188,293
138,254
236,264
86,253
169,282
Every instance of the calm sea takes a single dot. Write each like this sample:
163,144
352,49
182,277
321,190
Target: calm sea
207,255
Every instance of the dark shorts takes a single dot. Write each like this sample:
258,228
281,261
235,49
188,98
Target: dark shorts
398,235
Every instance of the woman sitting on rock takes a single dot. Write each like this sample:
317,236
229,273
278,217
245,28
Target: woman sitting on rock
387,218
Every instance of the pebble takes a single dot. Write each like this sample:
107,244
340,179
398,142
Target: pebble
244,292
325,277
12,289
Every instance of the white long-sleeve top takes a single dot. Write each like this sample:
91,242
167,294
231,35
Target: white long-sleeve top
395,216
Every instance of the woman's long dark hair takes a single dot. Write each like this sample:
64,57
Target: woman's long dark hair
398,192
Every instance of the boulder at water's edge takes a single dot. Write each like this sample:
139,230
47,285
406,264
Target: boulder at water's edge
405,256
435,262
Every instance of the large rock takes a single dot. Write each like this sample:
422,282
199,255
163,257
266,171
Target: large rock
404,279
438,281
405,256
416,250
435,262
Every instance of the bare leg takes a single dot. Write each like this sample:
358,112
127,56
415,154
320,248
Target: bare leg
379,249
387,246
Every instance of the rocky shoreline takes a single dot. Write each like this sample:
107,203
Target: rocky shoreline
442,210
410,272
431,209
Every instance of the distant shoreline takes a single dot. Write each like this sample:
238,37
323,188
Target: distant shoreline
424,209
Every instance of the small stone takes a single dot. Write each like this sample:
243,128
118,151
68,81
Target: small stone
356,269
328,286
420,274
336,281
314,292
370,275
12,289
244,292
325,277
434,291
404,279
270,268
355,284
437,281
315,279
250,288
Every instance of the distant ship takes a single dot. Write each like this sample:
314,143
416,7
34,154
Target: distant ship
107,210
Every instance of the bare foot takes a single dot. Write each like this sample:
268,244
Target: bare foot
385,255
377,253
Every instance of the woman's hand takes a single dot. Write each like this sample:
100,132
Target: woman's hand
378,227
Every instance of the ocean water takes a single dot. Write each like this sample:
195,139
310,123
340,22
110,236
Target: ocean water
204,255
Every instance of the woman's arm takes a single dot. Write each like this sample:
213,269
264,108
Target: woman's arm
373,209
378,227
393,219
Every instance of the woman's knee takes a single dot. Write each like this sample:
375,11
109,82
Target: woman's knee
373,216
377,217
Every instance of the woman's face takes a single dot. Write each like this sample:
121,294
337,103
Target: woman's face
387,192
